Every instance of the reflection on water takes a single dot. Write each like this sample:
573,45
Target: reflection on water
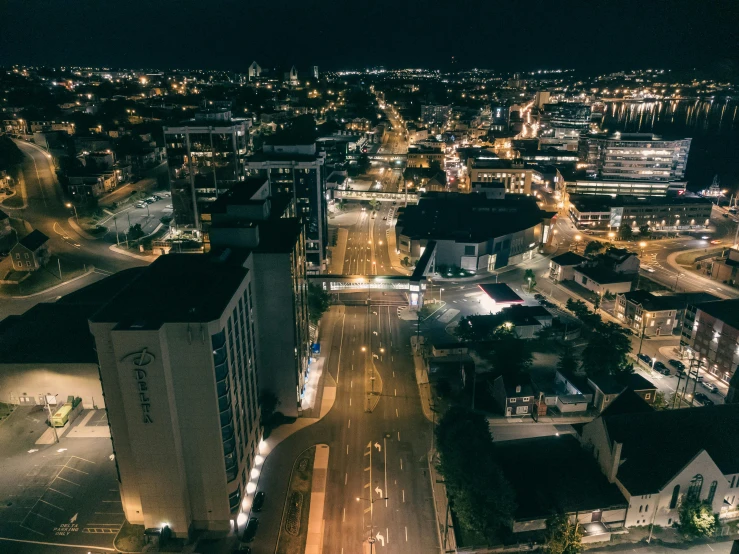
712,124
700,116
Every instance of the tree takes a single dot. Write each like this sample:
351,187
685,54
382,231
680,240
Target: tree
589,319
530,277
563,536
697,519
374,204
644,231
593,247
318,303
135,232
624,232
660,402
481,497
567,362
596,303
507,353
607,351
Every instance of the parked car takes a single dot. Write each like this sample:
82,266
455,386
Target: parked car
676,363
243,548
258,502
150,200
644,358
140,204
703,399
710,386
695,375
715,241
156,197
251,529
384,218
659,366
665,371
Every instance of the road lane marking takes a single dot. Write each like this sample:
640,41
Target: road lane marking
387,535
396,392
347,449
349,424
346,477
401,464
406,534
403,495
350,400
343,519
396,412
398,435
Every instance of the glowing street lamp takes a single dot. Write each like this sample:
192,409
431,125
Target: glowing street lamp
70,205
642,245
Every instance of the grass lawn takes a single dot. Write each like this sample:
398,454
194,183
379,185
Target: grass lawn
45,278
130,538
689,258
14,201
301,482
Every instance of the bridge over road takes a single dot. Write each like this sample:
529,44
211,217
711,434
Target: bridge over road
359,195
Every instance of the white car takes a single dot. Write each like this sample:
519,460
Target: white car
648,268
140,204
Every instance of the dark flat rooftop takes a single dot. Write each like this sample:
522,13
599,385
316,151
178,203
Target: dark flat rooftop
175,288
551,474
501,293
725,310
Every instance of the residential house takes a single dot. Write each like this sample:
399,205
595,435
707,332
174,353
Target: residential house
601,280
571,393
515,394
659,458
31,252
84,186
562,267
606,389
555,475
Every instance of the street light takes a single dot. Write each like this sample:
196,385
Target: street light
70,205
440,289
611,235
642,245
578,238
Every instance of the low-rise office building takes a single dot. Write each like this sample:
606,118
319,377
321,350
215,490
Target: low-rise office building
421,156
598,187
711,334
659,214
471,231
516,177
656,314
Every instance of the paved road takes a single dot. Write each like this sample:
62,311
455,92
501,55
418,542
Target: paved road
46,211
723,547
397,426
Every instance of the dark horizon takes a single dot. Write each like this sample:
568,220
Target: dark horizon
226,35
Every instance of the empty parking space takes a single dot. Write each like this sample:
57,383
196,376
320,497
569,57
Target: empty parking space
63,493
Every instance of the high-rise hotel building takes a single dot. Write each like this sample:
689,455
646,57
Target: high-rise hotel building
178,364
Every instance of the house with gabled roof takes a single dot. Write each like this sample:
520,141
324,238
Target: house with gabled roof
659,458
31,252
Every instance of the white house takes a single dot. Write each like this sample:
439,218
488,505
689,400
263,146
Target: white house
657,458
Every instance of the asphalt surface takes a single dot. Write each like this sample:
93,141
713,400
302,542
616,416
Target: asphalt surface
395,431
55,494
46,211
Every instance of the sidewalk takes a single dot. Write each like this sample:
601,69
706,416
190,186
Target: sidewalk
392,249
314,541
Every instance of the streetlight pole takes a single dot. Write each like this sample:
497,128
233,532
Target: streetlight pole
440,289
70,205
643,326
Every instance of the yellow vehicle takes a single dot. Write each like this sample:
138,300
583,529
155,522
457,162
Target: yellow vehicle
61,417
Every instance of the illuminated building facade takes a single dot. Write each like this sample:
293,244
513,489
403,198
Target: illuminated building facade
634,157
177,353
206,158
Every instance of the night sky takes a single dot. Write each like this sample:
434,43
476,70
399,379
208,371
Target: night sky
594,35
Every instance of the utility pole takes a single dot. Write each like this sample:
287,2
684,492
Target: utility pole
59,263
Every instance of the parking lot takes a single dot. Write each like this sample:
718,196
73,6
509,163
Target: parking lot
60,493
146,214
